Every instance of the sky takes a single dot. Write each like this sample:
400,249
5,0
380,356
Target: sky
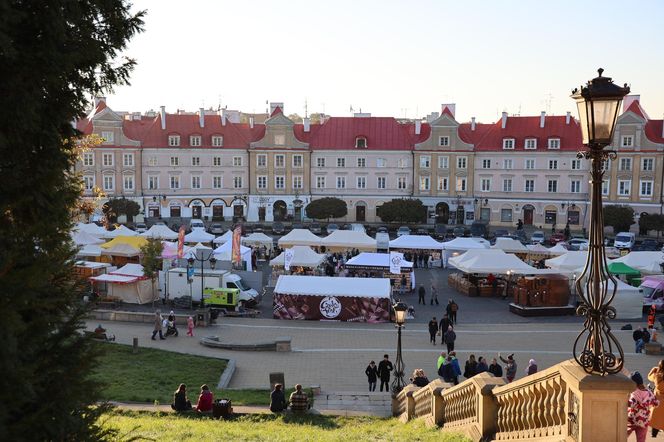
391,58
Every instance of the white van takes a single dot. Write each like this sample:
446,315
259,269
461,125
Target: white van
624,240
196,224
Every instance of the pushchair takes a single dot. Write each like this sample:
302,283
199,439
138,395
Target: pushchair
171,330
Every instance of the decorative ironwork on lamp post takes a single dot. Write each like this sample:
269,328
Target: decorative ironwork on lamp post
202,256
596,349
400,309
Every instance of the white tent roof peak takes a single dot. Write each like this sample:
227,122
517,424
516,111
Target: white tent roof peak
224,238
509,245
370,259
160,231
299,237
303,256
464,244
348,238
415,242
198,235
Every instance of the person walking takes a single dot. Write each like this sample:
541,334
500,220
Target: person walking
470,369
531,368
452,309
421,292
444,324
510,367
495,368
434,294
433,329
450,337
441,360
372,375
190,326
656,376
641,400
384,369
157,326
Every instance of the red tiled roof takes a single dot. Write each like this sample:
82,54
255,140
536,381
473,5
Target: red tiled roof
425,132
185,125
382,133
305,137
84,126
277,110
521,128
474,136
636,108
447,111
654,131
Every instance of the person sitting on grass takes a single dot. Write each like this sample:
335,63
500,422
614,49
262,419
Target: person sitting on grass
180,401
205,400
277,399
299,402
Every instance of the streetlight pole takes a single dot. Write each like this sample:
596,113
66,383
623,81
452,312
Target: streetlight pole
400,318
205,255
598,103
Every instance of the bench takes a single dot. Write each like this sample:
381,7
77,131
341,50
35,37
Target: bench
100,336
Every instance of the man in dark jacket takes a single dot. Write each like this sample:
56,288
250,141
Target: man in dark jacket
277,399
495,368
450,337
384,369
433,329
444,324
421,292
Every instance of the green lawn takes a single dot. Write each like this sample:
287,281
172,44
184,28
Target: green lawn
171,427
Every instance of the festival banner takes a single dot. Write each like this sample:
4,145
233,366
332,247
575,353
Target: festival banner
395,262
236,255
181,242
289,254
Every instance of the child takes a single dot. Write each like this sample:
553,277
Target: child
190,326
638,409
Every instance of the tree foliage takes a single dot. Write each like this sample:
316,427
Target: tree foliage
53,55
651,221
151,259
402,210
120,206
618,217
326,208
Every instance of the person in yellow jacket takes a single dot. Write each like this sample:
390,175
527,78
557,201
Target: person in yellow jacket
656,376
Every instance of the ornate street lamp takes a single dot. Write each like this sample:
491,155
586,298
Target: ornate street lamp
598,103
202,256
400,309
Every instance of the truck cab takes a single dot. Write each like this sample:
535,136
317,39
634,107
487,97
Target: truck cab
624,240
653,292
221,298
247,296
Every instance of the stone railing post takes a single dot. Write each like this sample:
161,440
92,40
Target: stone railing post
403,405
438,404
487,410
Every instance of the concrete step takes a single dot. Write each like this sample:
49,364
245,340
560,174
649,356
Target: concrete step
373,403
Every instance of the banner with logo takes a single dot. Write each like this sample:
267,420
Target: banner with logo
331,308
289,254
236,255
396,259
181,242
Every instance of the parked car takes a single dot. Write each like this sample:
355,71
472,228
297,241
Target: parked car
382,229
440,231
357,228
278,228
578,244
258,228
297,226
459,231
652,288
216,228
624,240
648,245
403,230
422,231
537,237
331,228
479,229
315,228
555,238
196,224
501,233
141,227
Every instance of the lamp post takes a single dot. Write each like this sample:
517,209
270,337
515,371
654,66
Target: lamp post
400,309
595,348
205,255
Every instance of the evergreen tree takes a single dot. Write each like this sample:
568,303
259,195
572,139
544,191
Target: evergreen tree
151,260
53,55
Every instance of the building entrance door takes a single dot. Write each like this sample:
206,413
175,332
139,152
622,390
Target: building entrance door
360,214
528,215
196,212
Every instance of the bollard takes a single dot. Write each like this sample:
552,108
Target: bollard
134,349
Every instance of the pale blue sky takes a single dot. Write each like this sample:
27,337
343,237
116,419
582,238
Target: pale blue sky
392,58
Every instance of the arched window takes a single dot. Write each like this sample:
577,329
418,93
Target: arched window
360,142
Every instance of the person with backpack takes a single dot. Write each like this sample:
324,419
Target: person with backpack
444,324
452,309
455,367
446,370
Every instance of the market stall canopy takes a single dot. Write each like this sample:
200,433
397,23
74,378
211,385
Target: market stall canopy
569,262
558,249
473,253
498,263
349,239
537,248
333,286
120,231
510,245
130,270
647,263
299,237
464,244
81,238
170,250
160,231
367,259
134,241
224,253
91,251
198,234
422,242
191,251
91,228
303,256
620,268
258,239
116,279
124,250
224,238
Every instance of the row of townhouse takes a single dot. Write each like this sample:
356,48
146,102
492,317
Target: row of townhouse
210,165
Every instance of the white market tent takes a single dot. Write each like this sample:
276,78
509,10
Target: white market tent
120,231
332,286
130,270
368,259
224,238
91,228
303,256
349,239
160,231
225,252
537,248
82,238
457,245
257,240
198,234
170,250
90,251
422,242
299,237
497,262
128,284
647,263
122,249
509,245
558,249
191,251
569,262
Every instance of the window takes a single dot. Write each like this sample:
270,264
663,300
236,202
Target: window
279,161
461,184
529,185
624,187
320,162
381,182
505,215
88,159
648,164
217,141
107,159
175,182
507,164
280,139
153,182
553,164
261,182
461,162
401,183
128,160
576,164
175,161
279,182
381,162
443,162
508,143
531,143
237,182
196,182
575,186
550,216
261,160
627,141
425,183
216,161
174,140
361,162
88,182
361,143
486,164
361,182
605,187
128,182
554,143
237,161
107,136
195,140
552,186
320,182
425,162
402,163
530,164
507,185
341,162
485,185
443,184
341,182
297,161
297,182
217,182
443,141
625,164
152,161
646,188
109,182
195,161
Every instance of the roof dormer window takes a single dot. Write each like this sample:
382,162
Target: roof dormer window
174,140
360,143
531,143
508,143
217,141
554,143
195,140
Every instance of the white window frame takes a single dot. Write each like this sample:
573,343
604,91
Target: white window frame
130,158
381,162
88,182
195,140
320,182
341,182
402,183
462,163
508,143
361,182
108,136
402,163
195,181
508,164
625,164
173,140
175,161
110,187
237,161
320,162
381,182
443,184
195,161
425,183
485,184
461,184
217,181
606,187
341,162
575,164
529,164
88,159
650,161
553,164
425,162
216,161
530,143
507,185
237,182
298,182
626,187
443,162
552,186
131,181
361,162
646,195
443,141
363,141
153,161
627,141
217,141
261,160
295,161
261,182
526,186
279,182
279,161
553,143
110,157
153,182
575,186
174,182
486,163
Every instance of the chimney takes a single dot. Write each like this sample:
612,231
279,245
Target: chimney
306,122
542,118
450,107
274,105
163,117
99,100
201,117
567,117
418,127
223,120
472,123
504,120
629,99
251,122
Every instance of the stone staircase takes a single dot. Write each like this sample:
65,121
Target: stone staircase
355,403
